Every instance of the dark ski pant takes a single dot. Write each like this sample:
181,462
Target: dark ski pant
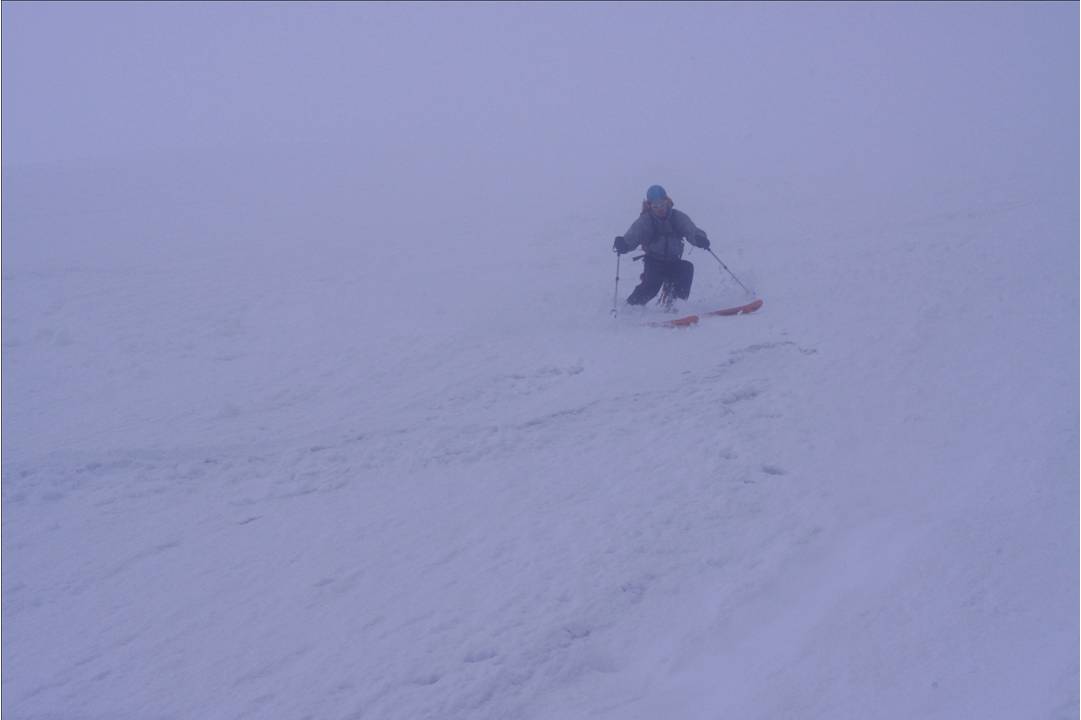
656,272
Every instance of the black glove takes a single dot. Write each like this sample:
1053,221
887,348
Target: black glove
701,240
621,246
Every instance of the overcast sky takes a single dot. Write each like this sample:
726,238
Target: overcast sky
92,79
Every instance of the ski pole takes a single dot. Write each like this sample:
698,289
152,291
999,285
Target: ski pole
730,272
615,298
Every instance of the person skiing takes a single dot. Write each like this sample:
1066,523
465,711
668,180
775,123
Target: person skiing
661,229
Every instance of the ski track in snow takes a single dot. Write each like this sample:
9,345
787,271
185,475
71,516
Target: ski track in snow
524,433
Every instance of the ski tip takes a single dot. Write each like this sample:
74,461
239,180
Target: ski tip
752,306
739,310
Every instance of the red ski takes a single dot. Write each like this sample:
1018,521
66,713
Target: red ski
693,319
740,310
678,322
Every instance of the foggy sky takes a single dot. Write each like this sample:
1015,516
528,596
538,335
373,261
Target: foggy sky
106,79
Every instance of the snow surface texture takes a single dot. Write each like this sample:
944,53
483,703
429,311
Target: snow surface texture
313,406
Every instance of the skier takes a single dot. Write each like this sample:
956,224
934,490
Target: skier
661,230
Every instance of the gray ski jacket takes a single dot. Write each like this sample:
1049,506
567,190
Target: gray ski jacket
662,239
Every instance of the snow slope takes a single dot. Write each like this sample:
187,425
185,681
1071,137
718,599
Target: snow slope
317,429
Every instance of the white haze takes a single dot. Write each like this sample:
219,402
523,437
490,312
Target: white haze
313,407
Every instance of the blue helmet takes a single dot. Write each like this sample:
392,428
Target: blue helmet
655,193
